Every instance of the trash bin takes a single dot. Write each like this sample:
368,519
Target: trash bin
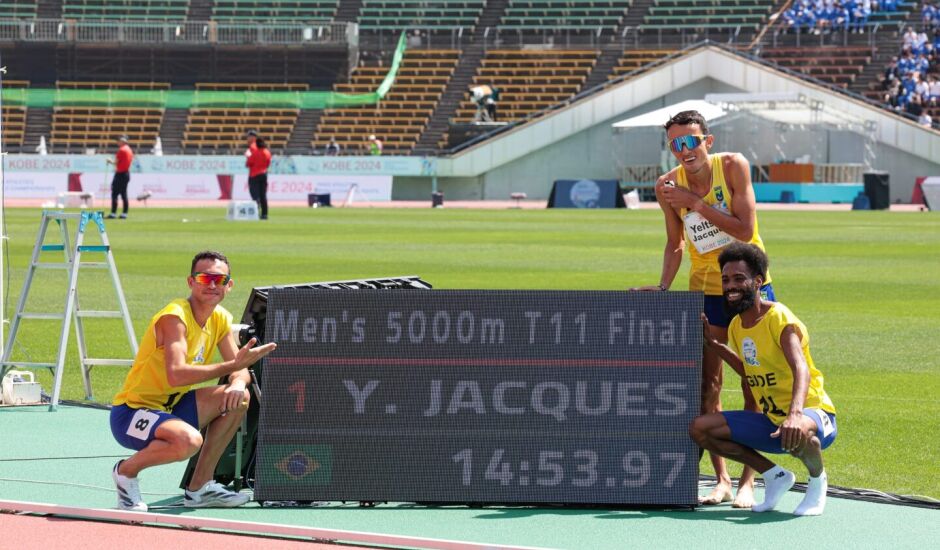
878,189
437,199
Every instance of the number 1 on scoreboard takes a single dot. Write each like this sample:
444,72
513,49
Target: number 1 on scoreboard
300,388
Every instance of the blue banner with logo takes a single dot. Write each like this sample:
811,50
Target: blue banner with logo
586,194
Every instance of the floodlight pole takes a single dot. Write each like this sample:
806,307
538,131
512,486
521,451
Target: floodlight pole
3,235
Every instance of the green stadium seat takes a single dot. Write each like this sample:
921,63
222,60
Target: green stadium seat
154,10
277,11
569,15
18,9
680,15
433,15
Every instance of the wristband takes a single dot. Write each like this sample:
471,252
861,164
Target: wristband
662,287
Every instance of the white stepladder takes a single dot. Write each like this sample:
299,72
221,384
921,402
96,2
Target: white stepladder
73,311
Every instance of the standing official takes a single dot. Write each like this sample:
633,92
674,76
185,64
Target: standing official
122,176
258,159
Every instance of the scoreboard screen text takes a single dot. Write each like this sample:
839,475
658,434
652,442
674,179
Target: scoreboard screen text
575,397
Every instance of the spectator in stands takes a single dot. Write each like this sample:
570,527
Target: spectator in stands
480,95
258,160
332,148
122,176
375,145
708,201
925,120
860,13
908,39
891,72
934,97
491,103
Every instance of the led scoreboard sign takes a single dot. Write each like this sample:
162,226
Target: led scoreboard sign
481,397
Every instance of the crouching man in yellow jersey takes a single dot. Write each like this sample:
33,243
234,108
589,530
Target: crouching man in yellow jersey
769,347
708,202
159,415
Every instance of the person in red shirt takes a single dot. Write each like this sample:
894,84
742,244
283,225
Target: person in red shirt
258,160
122,176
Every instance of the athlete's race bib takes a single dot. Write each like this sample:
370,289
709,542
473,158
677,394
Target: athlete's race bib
705,236
142,424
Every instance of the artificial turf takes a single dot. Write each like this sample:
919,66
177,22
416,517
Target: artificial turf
865,283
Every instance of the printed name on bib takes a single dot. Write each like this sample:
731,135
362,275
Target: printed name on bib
703,233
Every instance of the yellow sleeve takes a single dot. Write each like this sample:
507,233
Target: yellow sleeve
223,324
780,318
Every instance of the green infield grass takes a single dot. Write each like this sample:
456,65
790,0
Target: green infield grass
867,285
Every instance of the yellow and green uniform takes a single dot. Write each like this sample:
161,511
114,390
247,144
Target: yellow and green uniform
705,275
146,386
768,374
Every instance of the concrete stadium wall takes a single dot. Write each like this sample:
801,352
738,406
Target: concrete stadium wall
575,142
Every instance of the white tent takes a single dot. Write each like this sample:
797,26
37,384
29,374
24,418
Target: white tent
659,117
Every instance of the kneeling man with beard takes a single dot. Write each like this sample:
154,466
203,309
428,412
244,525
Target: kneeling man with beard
769,347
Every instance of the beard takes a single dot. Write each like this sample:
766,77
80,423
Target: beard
747,301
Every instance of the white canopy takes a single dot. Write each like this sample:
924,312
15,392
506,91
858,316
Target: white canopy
659,117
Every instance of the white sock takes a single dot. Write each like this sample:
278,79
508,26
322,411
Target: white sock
815,499
777,482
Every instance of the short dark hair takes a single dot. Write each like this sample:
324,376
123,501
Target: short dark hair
208,255
252,133
755,258
687,117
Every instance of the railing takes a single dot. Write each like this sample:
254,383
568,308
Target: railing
182,32
665,59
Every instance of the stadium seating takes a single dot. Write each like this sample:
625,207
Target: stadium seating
14,117
576,15
394,15
836,65
530,80
635,59
707,14
224,130
274,10
98,127
18,9
402,116
125,9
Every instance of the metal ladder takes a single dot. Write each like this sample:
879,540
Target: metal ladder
73,311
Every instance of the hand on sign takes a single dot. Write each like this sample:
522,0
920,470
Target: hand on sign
680,197
708,339
648,288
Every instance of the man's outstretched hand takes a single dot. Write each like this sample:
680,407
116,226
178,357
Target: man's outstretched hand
248,355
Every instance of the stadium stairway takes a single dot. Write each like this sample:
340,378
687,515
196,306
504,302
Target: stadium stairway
606,61
348,11
199,10
38,123
171,130
49,9
459,84
635,14
302,136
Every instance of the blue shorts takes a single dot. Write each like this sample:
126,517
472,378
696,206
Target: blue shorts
136,428
715,309
753,429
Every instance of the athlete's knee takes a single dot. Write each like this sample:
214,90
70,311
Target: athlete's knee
811,447
187,443
698,430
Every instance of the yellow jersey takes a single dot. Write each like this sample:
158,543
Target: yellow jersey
768,374
146,386
703,239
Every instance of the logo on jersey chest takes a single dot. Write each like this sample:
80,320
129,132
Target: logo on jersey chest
749,350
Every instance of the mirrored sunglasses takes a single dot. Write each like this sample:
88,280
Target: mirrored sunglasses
689,142
208,278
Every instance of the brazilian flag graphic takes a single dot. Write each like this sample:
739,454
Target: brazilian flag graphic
301,464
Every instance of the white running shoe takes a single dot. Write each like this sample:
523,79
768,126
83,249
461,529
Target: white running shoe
128,490
214,495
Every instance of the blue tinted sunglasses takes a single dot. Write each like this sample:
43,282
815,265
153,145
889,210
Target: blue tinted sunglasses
689,142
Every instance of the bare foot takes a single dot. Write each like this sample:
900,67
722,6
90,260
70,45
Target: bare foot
721,493
745,497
